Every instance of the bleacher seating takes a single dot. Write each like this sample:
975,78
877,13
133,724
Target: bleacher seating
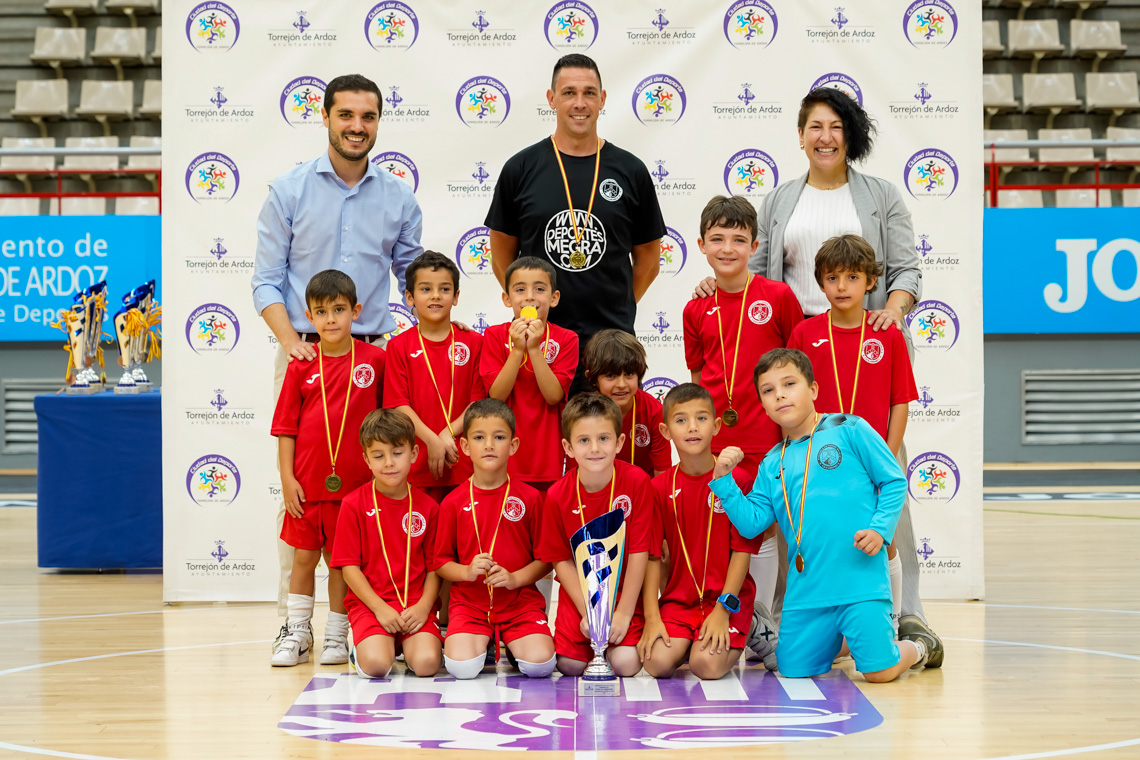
151,107
1123,154
1020,199
119,47
156,54
1036,39
1065,154
997,95
1116,93
72,8
19,206
1052,94
991,39
1095,39
1080,6
106,101
132,8
27,163
136,206
60,47
1083,198
40,99
145,162
1005,154
1131,197
83,207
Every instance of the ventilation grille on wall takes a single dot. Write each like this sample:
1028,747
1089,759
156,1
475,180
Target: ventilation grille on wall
20,435
1080,406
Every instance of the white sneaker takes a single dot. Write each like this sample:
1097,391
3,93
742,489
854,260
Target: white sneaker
292,646
762,638
334,650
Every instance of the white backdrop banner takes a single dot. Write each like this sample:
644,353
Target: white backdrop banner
705,94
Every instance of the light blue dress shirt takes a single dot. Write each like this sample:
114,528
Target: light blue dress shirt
313,221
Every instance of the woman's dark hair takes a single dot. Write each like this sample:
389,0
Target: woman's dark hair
858,128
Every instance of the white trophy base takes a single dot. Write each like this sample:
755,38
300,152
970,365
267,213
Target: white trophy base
607,688
127,390
145,387
83,390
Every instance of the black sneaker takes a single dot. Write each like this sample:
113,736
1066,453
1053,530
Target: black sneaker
913,627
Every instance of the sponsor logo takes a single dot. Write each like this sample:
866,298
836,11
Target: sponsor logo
842,82
551,350
219,563
929,409
624,504
744,104
933,259
750,172
219,411
213,479
750,25
405,320
661,324
400,166
1104,273
363,375
480,324
930,23
301,101
481,32
829,457
661,30
391,25
213,178
418,524
483,101
218,108
921,102
473,252
300,33
668,184
560,242
873,351
933,325
659,99
641,435
819,342
658,386
459,354
837,27
674,252
932,478
476,183
715,503
571,26
215,257
399,110
610,190
759,312
514,509
931,173
212,329
212,26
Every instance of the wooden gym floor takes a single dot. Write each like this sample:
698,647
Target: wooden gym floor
1048,666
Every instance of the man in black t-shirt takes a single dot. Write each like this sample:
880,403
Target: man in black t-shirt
608,250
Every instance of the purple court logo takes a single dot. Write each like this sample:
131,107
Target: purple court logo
932,478
750,25
400,166
931,173
930,23
659,99
212,329
213,480
405,320
934,325
301,101
571,26
511,712
212,26
483,101
212,177
750,172
841,82
674,252
391,25
657,387
473,252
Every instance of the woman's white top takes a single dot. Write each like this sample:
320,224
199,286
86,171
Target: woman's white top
818,216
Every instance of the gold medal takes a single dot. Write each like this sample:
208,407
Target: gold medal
799,563
578,259
730,417
803,495
333,483
528,312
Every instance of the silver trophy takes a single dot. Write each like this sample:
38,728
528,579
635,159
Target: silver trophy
598,549
137,332
83,324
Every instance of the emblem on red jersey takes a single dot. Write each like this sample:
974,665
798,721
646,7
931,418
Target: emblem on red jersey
514,509
760,312
624,504
460,353
363,375
714,502
641,435
552,349
419,524
872,351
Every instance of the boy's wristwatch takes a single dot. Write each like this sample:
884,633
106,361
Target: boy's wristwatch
730,602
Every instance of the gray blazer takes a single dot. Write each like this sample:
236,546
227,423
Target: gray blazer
886,226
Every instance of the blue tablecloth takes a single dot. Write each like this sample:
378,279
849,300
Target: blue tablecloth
100,480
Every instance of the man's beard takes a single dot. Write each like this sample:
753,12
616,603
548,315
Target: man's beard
338,144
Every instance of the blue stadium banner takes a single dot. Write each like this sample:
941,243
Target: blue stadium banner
1061,270
46,260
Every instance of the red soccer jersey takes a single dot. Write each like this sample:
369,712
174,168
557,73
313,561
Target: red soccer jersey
407,381
772,312
692,498
512,525
651,450
885,374
538,423
300,413
358,542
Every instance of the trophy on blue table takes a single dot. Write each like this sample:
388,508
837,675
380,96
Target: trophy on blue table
138,331
83,324
598,548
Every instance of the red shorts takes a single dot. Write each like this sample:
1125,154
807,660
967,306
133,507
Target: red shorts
314,530
684,621
542,486
511,623
364,624
568,638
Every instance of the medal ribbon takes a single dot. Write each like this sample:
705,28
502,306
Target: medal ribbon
451,396
403,600
803,488
633,429
681,537
333,453
835,364
730,385
578,491
566,184
545,345
491,550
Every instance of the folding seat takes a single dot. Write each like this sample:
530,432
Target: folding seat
1019,199
136,206
19,206
1095,39
1124,154
83,207
1116,93
40,99
95,162
106,101
1005,154
1080,5
1049,93
997,95
156,54
1083,198
151,107
1036,39
1066,154
132,8
991,39
1131,197
59,47
72,8
118,46
146,162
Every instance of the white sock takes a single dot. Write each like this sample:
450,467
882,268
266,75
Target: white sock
336,626
764,566
895,568
300,610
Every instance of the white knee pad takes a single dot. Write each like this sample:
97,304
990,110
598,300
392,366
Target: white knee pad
465,670
360,672
536,669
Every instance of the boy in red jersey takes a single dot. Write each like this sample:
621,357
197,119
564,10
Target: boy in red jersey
487,535
385,546
727,332
433,374
615,364
321,401
868,375
529,363
708,595
601,482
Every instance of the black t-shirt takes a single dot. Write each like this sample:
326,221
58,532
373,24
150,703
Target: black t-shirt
530,204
